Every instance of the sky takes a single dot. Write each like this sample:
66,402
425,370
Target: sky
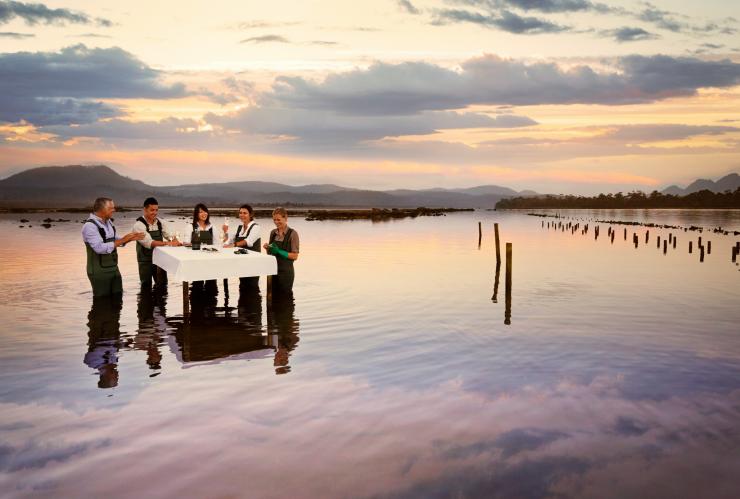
557,96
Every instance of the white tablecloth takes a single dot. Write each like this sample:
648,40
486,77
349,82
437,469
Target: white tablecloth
184,264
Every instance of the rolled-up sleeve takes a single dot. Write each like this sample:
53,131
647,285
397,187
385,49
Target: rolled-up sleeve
147,241
91,236
294,242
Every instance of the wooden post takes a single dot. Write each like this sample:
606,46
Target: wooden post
658,242
625,234
701,253
665,246
507,311
734,254
185,298
670,238
647,236
675,240
480,233
635,239
691,244
494,298
498,245
709,247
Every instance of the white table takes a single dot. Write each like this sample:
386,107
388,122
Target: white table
184,264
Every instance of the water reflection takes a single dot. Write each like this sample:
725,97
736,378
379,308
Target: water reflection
283,326
104,339
209,333
152,315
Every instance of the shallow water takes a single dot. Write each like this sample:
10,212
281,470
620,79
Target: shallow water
391,374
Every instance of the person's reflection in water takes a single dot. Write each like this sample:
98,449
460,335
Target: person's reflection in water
250,307
151,312
282,323
104,338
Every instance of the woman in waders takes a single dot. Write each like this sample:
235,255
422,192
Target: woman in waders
203,234
248,235
284,244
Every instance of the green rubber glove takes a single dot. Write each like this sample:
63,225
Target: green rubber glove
274,249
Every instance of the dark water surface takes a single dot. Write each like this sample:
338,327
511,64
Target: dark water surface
391,374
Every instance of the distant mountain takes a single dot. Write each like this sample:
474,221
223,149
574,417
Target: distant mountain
77,186
727,183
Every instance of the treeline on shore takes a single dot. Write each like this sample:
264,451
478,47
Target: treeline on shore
635,199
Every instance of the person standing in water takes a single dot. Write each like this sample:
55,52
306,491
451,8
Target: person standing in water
102,243
155,234
284,245
248,235
204,230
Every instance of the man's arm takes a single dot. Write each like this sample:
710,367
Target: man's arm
91,236
140,227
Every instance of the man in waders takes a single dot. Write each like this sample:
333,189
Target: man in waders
101,243
155,233
284,245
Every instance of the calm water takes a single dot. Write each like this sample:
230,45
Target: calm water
392,374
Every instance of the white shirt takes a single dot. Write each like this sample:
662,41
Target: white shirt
147,241
253,236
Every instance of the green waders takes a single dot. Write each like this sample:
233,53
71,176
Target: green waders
147,270
283,281
248,281
102,269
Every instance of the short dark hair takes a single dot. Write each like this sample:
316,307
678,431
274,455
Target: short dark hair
150,201
196,210
100,203
248,208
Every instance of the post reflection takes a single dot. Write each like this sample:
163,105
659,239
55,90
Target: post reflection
104,339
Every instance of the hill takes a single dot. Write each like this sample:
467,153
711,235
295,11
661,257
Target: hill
727,183
76,186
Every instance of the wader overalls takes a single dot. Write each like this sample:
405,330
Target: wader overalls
102,269
147,270
248,281
283,281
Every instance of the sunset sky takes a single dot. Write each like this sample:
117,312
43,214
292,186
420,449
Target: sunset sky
571,96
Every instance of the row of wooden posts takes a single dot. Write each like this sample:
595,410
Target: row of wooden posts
671,241
494,298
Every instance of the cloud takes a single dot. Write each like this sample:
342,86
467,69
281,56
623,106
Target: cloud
161,131
90,35
47,88
546,6
677,23
411,87
408,7
16,36
503,20
37,13
628,34
282,39
263,24
664,132
329,127
266,39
